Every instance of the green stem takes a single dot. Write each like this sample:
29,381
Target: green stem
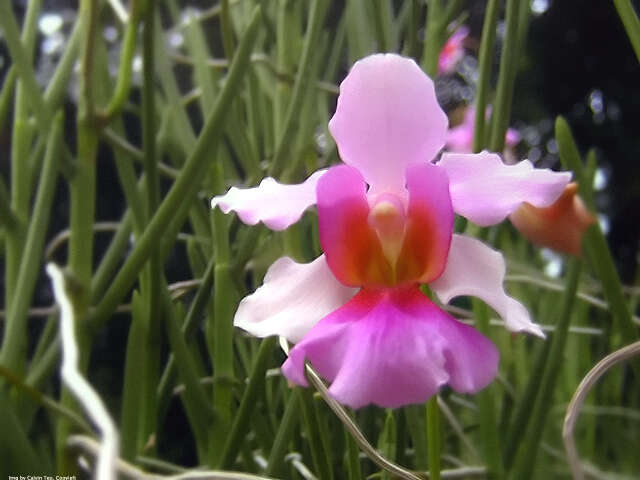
314,435
151,279
522,415
200,301
485,61
416,421
594,242
186,183
525,462
82,205
83,189
434,33
412,36
381,22
631,23
83,184
21,60
487,407
223,374
354,470
112,258
45,401
227,29
22,137
196,401
248,403
285,40
599,255
6,96
506,78
133,380
17,452
57,87
14,345
123,83
220,329
20,193
433,437
570,158
288,422
8,219
303,80
131,188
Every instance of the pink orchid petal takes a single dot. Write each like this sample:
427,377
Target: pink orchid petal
393,347
276,205
430,224
486,191
350,244
292,299
460,138
476,269
512,137
386,118
453,50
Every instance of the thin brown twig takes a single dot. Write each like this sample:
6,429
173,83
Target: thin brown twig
355,432
370,451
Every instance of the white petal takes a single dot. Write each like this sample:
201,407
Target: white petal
275,204
293,298
486,190
475,269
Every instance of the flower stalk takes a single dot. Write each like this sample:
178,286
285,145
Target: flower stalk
433,437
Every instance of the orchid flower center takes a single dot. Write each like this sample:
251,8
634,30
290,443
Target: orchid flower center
388,218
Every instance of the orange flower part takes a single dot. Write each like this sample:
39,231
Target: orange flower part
560,226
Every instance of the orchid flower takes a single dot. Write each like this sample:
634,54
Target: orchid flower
460,137
452,51
560,226
357,313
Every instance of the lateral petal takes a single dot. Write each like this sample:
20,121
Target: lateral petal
292,299
475,269
486,191
275,204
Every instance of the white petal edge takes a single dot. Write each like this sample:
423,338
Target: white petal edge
475,269
486,190
275,204
293,298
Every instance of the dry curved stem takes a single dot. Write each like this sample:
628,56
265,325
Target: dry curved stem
127,470
355,432
579,396
62,237
370,451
